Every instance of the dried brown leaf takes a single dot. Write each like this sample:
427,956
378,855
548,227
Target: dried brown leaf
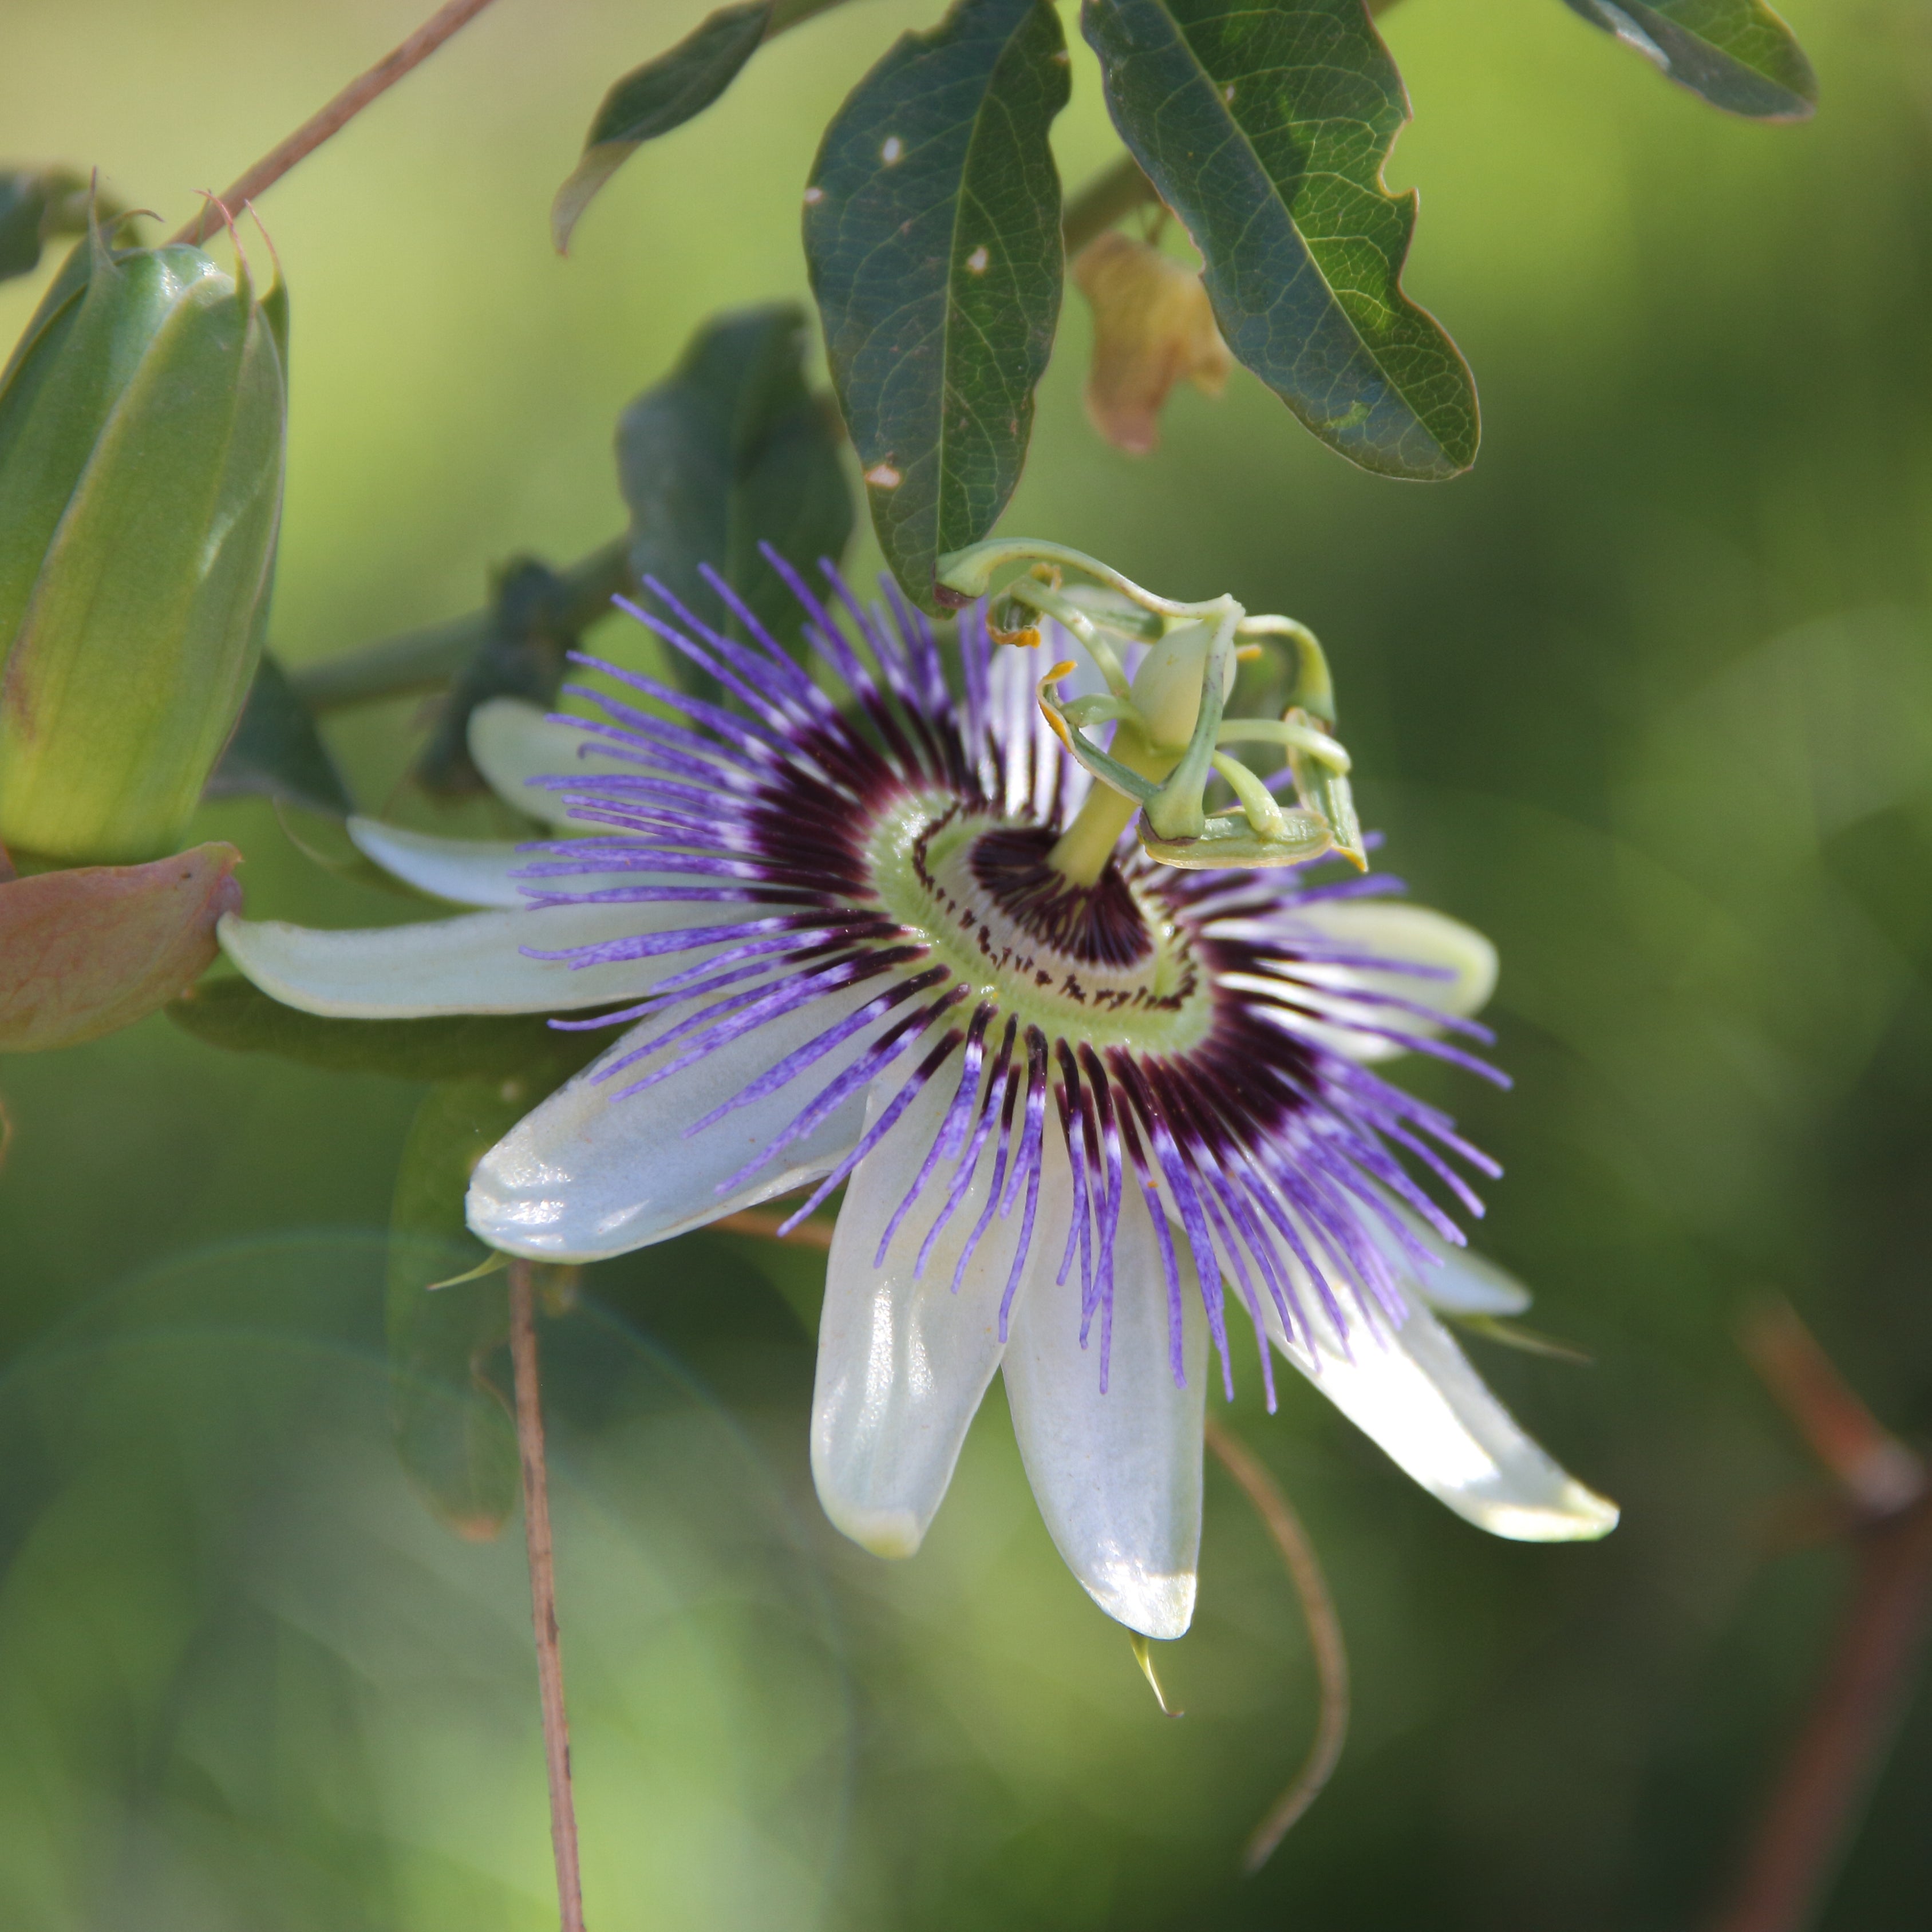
1153,327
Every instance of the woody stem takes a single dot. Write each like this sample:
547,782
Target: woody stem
333,118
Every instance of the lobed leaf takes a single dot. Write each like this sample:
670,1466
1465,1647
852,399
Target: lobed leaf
85,952
1738,54
276,752
651,100
1265,128
730,452
932,234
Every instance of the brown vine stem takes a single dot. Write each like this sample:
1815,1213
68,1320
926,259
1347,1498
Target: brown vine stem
1325,1639
543,1593
1807,1819
332,118
765,1222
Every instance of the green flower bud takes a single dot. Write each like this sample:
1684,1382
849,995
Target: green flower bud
143,419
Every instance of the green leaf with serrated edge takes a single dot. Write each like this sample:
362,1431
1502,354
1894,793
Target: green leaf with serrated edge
651,100
1265,129
1738,54
452,1421
234,1015
276,752
729,451
932,234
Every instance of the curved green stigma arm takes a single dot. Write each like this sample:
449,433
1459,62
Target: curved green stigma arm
1181,689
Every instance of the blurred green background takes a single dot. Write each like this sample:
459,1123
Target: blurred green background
1648,696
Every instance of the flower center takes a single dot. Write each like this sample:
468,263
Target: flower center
1108,962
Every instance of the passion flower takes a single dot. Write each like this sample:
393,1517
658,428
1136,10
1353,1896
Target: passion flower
1089,1110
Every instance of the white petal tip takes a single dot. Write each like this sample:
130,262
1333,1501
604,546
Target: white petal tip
1464,1283
518,1223
461,871
891,1533
1157,1606
1573,1515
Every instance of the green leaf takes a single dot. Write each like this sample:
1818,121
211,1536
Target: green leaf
1738,54
37,204
276,752
452,1420
932,233
519,1051
530,629
23,202
730,450
653,99
1265,128
1530,1341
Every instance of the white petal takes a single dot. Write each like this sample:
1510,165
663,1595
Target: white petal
484,871
472,964
512,742
1117,1476
904,1361
588,1174
1414,1392
1468,1283
1412,935
1462,1282
466,871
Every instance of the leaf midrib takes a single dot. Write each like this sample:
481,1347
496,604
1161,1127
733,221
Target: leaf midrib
1240,134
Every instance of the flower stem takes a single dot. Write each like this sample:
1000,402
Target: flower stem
332,118
764,1223
543,1594
1110,196
1325,1639
426,659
